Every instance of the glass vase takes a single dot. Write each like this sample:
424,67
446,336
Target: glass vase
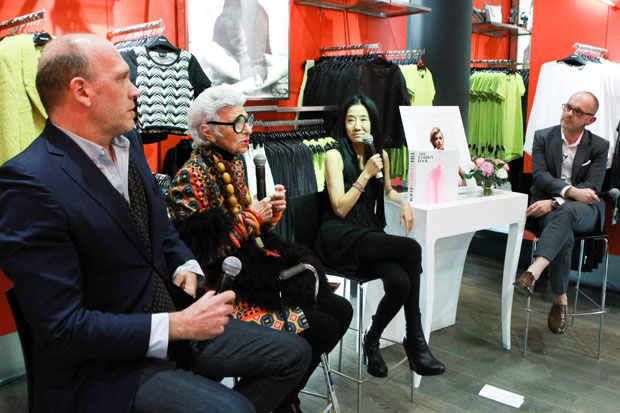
487,188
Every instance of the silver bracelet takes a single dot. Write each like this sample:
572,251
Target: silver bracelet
359,187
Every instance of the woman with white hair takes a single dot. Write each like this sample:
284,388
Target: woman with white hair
212,209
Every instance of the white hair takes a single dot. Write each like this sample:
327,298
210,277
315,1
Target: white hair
205,109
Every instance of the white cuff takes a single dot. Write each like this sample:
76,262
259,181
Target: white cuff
193,266
160,330
563,193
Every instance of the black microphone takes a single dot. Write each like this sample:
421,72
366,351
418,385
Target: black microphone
611,194
369,142
230,268
261,189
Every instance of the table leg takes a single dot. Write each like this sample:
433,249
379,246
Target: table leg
513,249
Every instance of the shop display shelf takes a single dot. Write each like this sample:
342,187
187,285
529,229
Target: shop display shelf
379,8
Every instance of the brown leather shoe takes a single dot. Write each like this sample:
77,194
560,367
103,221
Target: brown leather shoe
557,320
525,283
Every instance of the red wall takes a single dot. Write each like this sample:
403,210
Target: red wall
310,29
487,47
558,24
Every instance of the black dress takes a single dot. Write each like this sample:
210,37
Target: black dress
336,243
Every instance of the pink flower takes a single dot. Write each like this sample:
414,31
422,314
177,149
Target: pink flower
506,167
487,169
480,161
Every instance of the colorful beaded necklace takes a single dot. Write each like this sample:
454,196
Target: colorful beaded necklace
229,176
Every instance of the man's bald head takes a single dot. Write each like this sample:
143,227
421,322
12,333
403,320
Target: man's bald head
62,60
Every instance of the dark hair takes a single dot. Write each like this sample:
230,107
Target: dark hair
55,74
340,131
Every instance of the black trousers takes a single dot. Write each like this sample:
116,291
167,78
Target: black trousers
398,260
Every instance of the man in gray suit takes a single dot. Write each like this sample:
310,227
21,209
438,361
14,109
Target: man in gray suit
568,167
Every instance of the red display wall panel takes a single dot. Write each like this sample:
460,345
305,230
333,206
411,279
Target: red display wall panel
487,47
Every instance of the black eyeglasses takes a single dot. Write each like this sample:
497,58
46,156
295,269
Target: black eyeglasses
239,123
567,108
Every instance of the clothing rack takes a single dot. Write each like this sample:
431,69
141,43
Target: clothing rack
298,122
417,52
21,20
496,62
290,109
371,46
585,49
143,28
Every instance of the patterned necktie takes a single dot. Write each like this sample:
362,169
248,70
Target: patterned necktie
162,303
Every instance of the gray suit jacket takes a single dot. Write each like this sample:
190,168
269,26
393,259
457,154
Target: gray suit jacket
588,166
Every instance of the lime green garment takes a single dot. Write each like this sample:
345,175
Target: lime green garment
399,162
318,159
513,118
22,116
420,85
495,118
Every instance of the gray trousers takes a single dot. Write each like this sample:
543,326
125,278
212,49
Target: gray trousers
558,238
270,363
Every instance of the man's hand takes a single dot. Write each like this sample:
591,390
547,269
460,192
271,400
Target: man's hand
585,195
539,208
278,199
203,320
188,281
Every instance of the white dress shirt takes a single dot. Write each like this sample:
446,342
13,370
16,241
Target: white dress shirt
568,156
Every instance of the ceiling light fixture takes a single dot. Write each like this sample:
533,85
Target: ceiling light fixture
609,2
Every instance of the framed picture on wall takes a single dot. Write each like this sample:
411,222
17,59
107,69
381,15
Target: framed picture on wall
242,43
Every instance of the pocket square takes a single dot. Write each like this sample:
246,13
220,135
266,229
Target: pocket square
587,163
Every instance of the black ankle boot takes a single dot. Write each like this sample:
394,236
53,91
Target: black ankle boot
419,355
372,355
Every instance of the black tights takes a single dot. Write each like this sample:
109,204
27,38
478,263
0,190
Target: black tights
398,261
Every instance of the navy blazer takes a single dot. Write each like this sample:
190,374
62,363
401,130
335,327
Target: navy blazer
82,274
588,166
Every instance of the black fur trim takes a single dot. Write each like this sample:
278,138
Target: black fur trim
204,233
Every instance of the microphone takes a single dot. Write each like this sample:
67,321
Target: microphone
230,268
611,194
259,162
369,142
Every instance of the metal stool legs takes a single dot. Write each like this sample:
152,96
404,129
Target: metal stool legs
360,361
601,306
528,308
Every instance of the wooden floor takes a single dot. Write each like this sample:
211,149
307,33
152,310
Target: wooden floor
560,373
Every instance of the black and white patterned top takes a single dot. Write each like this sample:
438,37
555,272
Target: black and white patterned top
168,82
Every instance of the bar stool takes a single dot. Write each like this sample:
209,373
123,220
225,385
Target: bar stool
307,214
584,258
